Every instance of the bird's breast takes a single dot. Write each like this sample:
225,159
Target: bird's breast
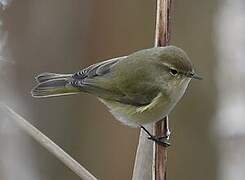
159,107
140,115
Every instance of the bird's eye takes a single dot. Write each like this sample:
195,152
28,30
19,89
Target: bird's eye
173,72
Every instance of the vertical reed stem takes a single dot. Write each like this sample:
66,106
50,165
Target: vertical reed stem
162,38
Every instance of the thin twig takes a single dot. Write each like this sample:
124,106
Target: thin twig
48,144
162,38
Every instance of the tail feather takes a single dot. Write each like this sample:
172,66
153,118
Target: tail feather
51,84
50,76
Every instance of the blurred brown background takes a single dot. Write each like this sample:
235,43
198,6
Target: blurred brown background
66,35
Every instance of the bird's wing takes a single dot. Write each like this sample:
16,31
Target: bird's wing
97,80
98,69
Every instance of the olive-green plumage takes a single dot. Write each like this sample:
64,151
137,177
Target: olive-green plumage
138,89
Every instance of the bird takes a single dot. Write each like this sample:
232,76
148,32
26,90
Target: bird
138,89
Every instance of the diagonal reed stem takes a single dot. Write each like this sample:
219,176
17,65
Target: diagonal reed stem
48,144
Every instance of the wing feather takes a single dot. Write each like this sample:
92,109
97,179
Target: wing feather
98,69
96,80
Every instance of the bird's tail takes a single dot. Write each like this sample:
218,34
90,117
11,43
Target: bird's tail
51,84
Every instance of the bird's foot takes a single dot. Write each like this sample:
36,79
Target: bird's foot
163,140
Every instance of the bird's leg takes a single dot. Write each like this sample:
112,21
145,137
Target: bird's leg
163,140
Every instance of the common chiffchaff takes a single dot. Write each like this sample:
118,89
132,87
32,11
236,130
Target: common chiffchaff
138,89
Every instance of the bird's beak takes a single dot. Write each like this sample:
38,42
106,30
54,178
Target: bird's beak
195,76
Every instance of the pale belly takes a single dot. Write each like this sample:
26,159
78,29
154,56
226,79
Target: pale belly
153,112
135,116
